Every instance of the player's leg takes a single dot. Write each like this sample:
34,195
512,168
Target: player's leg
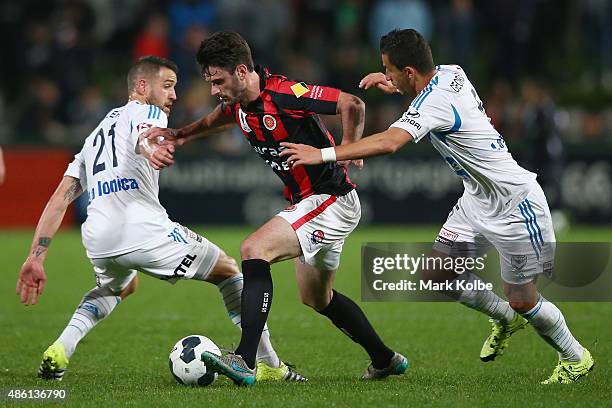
228,279
459,238
114,283
316,290
548,321
274,241
521,263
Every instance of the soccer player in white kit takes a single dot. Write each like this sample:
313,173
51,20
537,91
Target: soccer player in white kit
127,229
502,205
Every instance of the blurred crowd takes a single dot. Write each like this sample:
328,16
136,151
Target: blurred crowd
543,67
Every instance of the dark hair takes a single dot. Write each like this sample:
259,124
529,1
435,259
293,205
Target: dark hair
407,48
148,66
224,49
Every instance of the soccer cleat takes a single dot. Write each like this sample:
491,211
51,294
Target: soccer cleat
397,366
54,362
230,365
285,372
497,341
567,372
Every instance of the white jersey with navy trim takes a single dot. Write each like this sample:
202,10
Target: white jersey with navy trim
449,112
124,212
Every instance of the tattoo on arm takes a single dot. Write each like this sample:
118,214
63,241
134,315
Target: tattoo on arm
74,190
43,244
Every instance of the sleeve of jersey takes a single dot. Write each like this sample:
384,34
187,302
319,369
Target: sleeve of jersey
76,169
146,117
432,114
307,99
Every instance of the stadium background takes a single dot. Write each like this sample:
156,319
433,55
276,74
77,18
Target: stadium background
543,69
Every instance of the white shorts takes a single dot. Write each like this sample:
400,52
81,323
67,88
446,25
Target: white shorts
183,255
525,238
322,222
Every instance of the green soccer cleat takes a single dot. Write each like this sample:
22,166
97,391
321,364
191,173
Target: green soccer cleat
230,365
54,362
397,366
285,372
567,372
497,341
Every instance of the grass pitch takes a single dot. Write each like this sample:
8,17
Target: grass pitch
123,361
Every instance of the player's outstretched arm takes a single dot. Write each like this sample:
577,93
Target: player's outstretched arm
216,121
352,113
378,144
379,80
32,278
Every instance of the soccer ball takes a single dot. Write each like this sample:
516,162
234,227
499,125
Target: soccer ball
185,363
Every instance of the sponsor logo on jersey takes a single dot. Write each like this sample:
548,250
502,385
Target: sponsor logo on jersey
269,122
407,118
457,83
113,186
182,268
243,121
447,237
316,92
299,89
518,262
290,208
412,112
317,236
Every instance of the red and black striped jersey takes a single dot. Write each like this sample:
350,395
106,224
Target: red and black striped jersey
288,111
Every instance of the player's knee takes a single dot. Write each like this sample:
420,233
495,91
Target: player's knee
250,249
131,288
317,302
520,306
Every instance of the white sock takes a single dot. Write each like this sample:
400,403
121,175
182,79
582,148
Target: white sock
95,306
549,322
231,290
485,301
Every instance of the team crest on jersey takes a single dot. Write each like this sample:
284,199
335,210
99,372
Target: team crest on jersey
269,122
317,236
299,89
290,208
192,234
518,262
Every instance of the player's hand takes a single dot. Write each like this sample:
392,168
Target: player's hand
162,157
379,80
300,154
31,282
163,136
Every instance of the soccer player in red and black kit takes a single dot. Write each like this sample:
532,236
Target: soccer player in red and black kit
324,207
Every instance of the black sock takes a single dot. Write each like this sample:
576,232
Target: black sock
256,302
349,318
